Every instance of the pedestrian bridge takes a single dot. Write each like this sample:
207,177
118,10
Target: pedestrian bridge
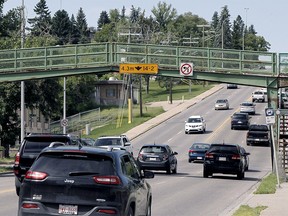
263,69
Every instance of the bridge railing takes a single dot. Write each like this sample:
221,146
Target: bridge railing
203,59
112,54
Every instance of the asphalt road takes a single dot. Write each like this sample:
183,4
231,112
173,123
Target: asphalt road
187,192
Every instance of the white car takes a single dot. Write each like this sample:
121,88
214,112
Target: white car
195,124
221,104
120,141
248,107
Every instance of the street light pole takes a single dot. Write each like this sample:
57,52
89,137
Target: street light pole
243,45
22,115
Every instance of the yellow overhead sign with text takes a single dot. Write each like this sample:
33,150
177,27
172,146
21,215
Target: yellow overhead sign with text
138,68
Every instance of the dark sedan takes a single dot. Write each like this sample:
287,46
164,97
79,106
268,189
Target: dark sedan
240,121
157,157
197,152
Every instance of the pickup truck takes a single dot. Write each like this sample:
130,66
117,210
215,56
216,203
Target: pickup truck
258,134
258,96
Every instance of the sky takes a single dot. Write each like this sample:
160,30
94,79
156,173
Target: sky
268,17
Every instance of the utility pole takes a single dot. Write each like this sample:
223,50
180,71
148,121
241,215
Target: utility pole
203,32
22,116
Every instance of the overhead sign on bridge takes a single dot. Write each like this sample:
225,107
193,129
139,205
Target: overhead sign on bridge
138,68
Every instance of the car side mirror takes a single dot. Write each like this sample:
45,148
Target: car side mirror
175,153
127,144
247,153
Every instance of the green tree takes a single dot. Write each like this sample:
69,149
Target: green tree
41,23
103,19
61,26
134,14
82,26
238,33
114,15
223,36
164,14
74,36
9,119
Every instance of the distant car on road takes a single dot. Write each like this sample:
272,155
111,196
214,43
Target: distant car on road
240,120
232,86
157,157
195,124
221,104
248,107
121,141
258,134
197,151
225,159
259,96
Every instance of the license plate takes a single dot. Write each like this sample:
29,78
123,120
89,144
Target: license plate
152,159
199,158
222,158
68,209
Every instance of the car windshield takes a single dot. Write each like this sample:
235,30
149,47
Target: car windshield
259,127
107,141
239,116
223,149
71,163
200,146
153,149
221,101
247,104
194,120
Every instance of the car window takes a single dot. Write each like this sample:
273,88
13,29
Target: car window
37,144
129,167
194,120
68,163
239,116
201,146
259,127
107,142
223,149
153,149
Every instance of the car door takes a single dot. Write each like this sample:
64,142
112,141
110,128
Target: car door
172,158
139,190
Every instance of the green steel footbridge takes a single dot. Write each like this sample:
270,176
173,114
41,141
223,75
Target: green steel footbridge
252,68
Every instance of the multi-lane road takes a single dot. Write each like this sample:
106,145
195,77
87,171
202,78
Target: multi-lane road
187,192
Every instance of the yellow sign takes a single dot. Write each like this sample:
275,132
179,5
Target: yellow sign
138,68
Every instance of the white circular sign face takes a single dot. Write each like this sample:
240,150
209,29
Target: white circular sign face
64,122
269,112
186,69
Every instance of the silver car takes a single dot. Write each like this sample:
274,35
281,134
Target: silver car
247,107
221,104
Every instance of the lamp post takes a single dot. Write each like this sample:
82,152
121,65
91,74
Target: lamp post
22,82
243,45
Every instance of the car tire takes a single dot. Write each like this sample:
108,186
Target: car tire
168,170
149,208
174,171
130,212
186,132
205,173
232,128
189,160
240,175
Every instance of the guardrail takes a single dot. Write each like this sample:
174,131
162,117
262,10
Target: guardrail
112,54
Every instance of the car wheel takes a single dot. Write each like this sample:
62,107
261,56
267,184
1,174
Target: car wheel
148,212
168,171
189,160
246,168
130,212
205,173
174,171
186,132
232,128
240,175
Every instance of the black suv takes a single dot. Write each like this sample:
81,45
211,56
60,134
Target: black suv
157,157
240,120
76,180
225,159
30,148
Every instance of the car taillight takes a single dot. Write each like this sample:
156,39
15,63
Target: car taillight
109,180
30,206
190,151
236,157
209,155
35,175
107,211
165,157
17,159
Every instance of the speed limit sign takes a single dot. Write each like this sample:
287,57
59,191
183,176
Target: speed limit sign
64,122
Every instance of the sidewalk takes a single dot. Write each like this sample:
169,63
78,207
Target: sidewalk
277,204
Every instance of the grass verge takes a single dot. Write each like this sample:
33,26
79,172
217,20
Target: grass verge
246,210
